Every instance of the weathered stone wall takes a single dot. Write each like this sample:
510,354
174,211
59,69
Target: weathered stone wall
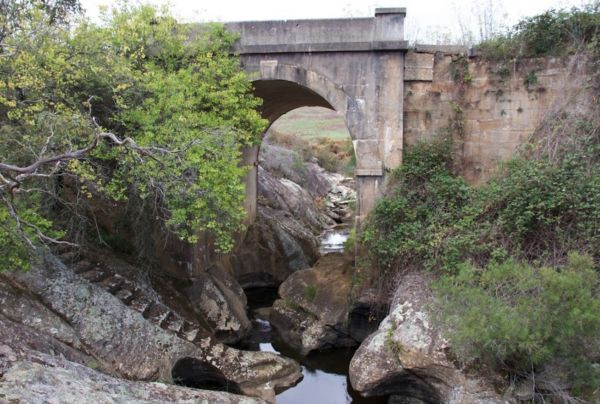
502,103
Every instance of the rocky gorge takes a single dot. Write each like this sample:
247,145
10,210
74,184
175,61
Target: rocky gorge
91,322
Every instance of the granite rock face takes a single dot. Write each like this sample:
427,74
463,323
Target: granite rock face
284,237
406,356
34,377
297,201
313,310
125,344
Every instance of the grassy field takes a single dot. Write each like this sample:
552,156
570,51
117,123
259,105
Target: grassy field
316,132
313,122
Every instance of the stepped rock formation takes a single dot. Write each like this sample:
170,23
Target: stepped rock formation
80,315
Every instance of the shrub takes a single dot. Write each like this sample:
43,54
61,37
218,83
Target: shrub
350,242
519,317
408,225
554,32
534,209
310,292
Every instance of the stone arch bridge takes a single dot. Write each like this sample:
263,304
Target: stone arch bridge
354,66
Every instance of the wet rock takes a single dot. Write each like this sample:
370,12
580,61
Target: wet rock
406,356
313,310
37,378
127,345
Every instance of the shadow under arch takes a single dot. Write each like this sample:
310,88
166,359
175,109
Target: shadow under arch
284,87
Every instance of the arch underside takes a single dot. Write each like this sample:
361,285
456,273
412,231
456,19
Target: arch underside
282,96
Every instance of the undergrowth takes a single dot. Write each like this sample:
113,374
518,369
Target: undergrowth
553,33
516,258
334,155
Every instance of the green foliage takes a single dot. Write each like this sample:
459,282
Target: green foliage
535,209
409,226
310,292
530,79
519,317
459,70
185,103
350,242
555,32
332,154
512,295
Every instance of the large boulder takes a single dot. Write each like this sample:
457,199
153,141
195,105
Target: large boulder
288,164
220,300
34,377
125,344
296,202
275,246
284,237
288,196
313,310
407,357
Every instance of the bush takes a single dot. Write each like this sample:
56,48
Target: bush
518,317
350,243
534,210
555,32
407,226
510,293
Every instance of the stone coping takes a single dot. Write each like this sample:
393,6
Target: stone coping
323,47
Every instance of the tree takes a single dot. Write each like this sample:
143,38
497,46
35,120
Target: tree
140,107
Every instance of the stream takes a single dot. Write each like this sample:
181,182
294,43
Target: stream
332,240
325,373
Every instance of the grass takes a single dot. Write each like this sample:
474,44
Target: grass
316,132
313,122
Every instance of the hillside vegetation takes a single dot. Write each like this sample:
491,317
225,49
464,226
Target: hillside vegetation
518,258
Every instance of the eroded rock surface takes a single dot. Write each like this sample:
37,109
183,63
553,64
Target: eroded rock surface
34,377
296,201
284,237
313,310
406,356
123,343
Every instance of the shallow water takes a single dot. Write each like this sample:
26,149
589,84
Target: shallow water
325,373
333,240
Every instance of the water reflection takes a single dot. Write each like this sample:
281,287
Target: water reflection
333,240
325,373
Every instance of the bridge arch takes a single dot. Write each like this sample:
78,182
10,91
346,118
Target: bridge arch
353,66
284,88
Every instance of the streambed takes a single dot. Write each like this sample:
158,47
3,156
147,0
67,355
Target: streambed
325,373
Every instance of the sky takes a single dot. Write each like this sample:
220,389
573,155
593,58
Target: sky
426,20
